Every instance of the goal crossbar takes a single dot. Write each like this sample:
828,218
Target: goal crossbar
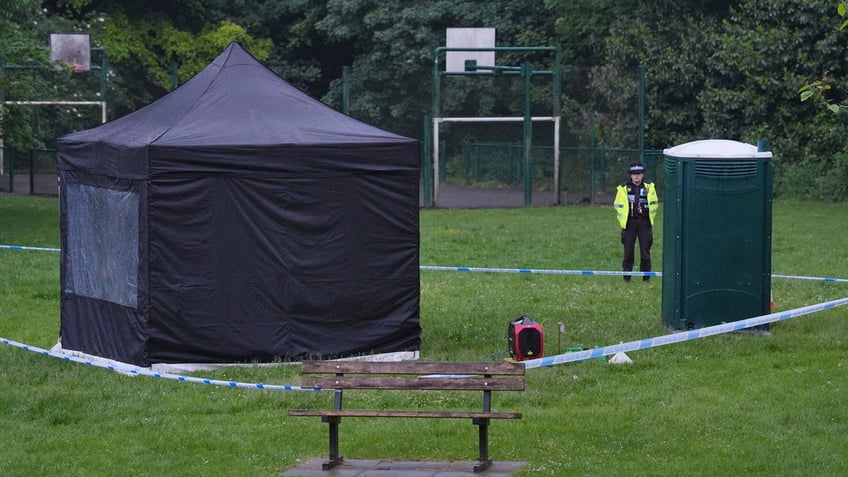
102,105
492,119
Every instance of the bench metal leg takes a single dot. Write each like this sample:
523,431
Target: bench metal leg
335,458
484,462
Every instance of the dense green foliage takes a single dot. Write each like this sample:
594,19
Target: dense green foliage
733,404
730,69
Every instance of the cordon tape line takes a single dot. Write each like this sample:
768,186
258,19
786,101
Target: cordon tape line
647,343
537,271
138,371
677,337
682,336
37,249
593,272
820,279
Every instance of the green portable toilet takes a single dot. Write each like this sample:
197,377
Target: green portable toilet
716,233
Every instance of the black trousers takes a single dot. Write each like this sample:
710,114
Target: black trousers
641,229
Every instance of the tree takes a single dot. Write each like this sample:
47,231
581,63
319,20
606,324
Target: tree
730,69
394,52
19,47
817,90
722,68
28,75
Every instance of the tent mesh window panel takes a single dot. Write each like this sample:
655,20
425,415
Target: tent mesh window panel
102,259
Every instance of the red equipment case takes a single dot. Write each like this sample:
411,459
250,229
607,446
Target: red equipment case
525,338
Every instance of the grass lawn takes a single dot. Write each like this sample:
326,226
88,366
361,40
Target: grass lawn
733,404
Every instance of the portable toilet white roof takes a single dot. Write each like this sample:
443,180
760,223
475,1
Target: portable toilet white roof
716,148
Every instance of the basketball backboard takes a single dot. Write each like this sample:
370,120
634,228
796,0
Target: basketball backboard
74,49
469,38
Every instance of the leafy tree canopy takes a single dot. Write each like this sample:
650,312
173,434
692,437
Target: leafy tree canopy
719,68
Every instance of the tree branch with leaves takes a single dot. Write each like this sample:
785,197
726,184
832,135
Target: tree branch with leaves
817,90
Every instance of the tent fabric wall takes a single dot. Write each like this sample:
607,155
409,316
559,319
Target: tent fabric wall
269,226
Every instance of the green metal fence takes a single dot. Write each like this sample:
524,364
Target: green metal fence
587,175
29,172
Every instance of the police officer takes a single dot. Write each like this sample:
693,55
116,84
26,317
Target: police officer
636,206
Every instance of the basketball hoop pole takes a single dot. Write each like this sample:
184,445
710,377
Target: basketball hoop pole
527,72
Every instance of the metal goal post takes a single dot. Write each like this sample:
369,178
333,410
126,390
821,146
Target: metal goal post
525,70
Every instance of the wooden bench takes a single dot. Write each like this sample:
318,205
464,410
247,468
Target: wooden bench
411,376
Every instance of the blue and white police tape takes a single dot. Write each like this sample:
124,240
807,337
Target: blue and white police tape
548,361
537,271
682,336
542,271
139,371
37,249
818,279
678,337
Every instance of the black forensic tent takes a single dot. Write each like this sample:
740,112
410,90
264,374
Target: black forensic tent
237,219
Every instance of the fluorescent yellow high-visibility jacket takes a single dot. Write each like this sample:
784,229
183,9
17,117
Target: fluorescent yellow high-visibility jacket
622,205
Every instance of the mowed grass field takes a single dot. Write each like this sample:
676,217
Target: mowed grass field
732,404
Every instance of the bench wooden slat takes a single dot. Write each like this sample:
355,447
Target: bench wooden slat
412,414
413,367
424,383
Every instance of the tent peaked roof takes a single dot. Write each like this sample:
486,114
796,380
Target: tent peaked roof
234,101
